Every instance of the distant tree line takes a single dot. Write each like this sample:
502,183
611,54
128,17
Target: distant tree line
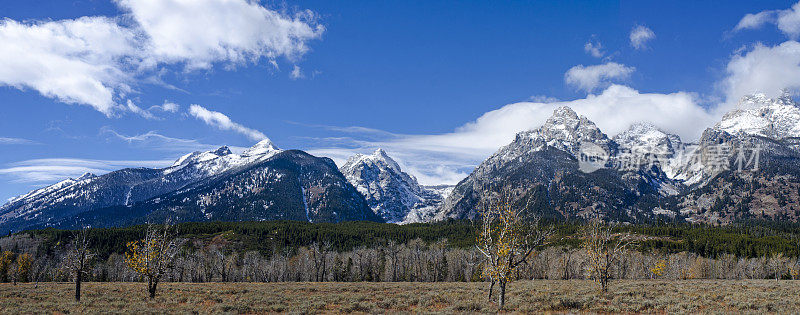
363,251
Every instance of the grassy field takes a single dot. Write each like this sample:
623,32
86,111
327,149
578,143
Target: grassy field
704,296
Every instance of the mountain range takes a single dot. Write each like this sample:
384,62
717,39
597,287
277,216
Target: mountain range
746,166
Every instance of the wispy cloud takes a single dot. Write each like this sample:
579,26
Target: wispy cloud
7,140
55,169
595,49
223,122
153,140
640,35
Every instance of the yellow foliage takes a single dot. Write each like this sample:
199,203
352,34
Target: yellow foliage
659,268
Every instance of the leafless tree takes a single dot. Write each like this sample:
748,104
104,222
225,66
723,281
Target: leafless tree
603,250
79,258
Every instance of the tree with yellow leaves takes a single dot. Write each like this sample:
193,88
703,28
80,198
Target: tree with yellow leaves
6,260
508,234
658,268
154,255
603,250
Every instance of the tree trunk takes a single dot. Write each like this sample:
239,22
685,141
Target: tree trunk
78,286
151,287
491,289
501,299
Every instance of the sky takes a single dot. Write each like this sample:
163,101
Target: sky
96,85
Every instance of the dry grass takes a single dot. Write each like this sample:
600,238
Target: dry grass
699,296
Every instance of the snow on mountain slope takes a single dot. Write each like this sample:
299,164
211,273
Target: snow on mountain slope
126,186
391,193
758,115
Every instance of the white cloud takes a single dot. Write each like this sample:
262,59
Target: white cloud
640,35
153,140
222,122
199,33
79,61
594,49
588,78
95,60
168,107
787,21
50,170
7,140
296,73
447,158
762,69
753,21
139,111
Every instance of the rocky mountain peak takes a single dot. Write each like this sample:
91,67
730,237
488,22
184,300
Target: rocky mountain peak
391,193
758,115
646,136
262,147
222,151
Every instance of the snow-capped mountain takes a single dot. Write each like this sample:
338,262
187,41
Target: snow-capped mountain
392,194
758,115
61,203
649,172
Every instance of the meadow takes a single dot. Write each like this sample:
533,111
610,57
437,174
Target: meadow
539,296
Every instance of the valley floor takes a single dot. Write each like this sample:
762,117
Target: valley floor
692,296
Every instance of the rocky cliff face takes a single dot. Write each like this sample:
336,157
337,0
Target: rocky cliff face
392,194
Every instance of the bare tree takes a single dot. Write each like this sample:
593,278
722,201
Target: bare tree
603,250
507,236
153,256
79,258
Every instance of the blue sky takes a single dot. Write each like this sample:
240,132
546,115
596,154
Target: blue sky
440,85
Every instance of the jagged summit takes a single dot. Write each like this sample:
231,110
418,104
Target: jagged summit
390,192
758,115
222,151
646,136
262,147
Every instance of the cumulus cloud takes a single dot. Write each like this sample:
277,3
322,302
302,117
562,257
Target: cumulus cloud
640,35
80,61
95,60
765,69
787,20
595,49
199,33
589,78
448,157
223,122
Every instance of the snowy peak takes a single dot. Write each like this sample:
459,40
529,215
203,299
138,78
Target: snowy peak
263,147
565,130
222,151
391,193
758,115
646,136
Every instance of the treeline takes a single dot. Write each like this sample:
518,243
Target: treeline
365,251
744,239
